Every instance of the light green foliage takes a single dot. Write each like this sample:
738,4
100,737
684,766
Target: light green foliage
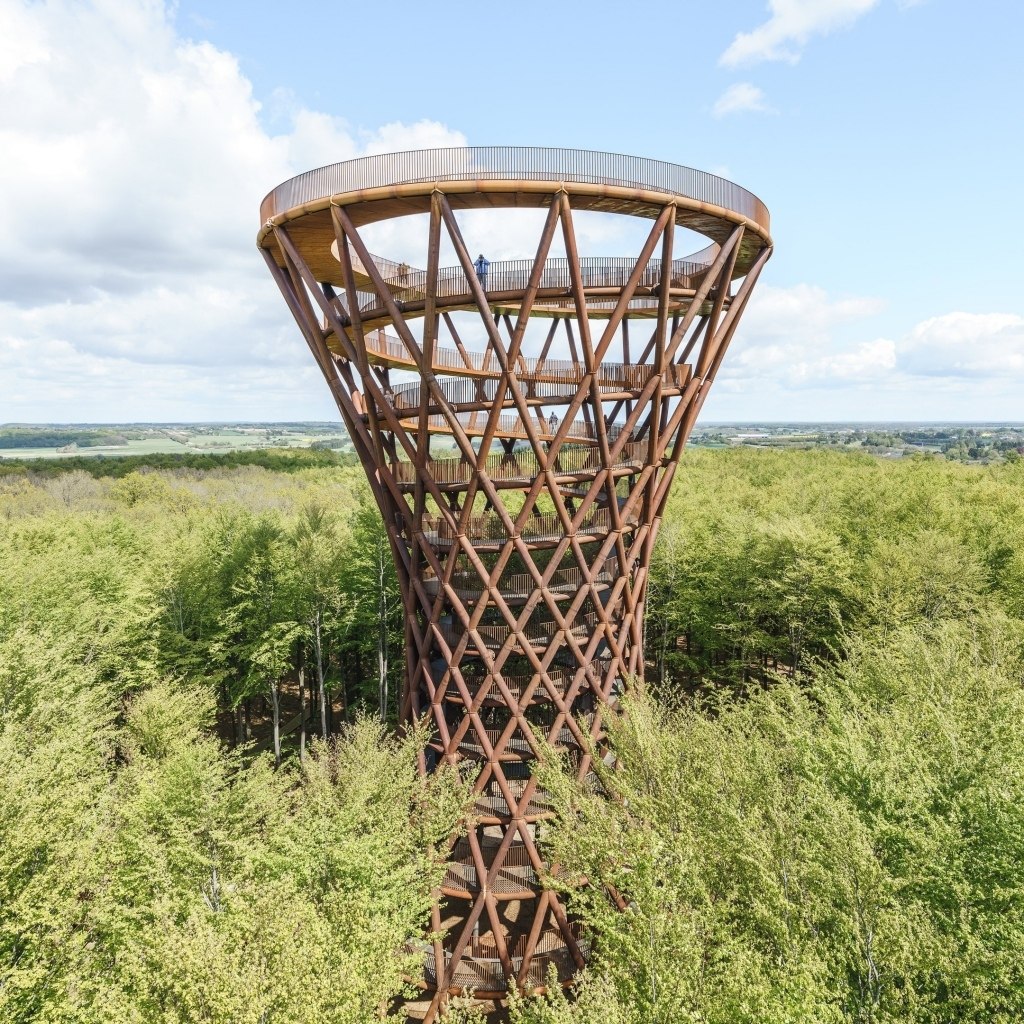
257,898
849,853
768,560
146,873
149,876
56,738
833,834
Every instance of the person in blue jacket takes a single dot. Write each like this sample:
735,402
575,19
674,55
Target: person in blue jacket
481,270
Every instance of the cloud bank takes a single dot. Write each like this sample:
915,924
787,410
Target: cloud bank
788,355
130,287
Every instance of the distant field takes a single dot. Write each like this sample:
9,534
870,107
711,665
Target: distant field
201,444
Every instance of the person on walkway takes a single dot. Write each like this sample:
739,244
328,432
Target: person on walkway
481,270
553,424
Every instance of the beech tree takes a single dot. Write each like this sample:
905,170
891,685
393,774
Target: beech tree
321,547
375,622
849,853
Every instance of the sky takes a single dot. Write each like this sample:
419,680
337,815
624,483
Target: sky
138,139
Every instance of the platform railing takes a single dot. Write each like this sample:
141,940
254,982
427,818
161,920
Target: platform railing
511,425
522,464
489,527
481,968
399,271
493,801
517,744
515,586
631,376
538,634
512,163
409,285
518,683
516,875
483,391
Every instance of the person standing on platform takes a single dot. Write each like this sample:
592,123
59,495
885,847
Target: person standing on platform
482,266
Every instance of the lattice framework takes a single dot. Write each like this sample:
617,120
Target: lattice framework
496,654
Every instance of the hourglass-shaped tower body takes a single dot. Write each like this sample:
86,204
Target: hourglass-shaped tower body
520,422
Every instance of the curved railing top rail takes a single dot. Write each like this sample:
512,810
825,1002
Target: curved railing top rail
402,275
387,348
512,163
408,284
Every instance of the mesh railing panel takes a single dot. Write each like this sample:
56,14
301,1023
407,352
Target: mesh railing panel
523,464
512,163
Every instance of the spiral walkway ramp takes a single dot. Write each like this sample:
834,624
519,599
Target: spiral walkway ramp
520,424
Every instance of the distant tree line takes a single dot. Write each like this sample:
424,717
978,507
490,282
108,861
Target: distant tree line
54,437
284,460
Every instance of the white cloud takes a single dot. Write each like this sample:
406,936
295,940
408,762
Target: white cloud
21,43
798,349
791,25
802,314
966,345
130,286
741,97
866,361
785,341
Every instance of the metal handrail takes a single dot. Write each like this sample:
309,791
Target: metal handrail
517,743
522,584
483,391
512,163
481,966
522,464
537,630
407,284
509,425
400,271
560,678
631,376
489,526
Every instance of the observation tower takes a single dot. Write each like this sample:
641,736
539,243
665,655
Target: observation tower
520,423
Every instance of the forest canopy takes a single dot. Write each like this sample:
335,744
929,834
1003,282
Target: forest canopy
817,813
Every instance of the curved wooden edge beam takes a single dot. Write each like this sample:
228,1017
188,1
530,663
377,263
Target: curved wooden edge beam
399,185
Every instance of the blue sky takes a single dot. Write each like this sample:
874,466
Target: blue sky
884,137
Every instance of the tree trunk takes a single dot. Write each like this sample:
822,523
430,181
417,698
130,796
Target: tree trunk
382,643
359,675
318,650
275,696
302,714
311,697
382,676
345,669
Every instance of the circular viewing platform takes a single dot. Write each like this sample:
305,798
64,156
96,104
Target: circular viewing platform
390,185
490,169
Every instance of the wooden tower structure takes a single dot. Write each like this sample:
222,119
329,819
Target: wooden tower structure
520,422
